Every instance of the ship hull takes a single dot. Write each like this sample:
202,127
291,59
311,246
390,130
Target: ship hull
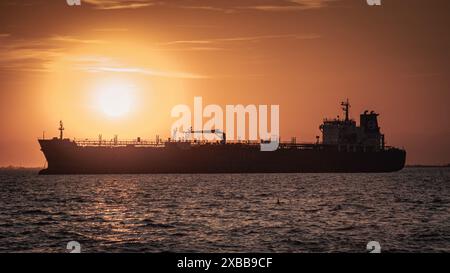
65,157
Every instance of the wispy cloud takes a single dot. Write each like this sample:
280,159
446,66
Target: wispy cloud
70,39
110,29
214,5
99,64
230,9
37,54
145,71
44,54
265,37
224,6
292,5
238,39
119,4
27,55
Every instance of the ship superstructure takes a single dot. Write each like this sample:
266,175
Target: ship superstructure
344,133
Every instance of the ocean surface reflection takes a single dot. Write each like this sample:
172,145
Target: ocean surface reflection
405,211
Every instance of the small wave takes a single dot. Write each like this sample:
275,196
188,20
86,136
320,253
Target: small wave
150,223
34,212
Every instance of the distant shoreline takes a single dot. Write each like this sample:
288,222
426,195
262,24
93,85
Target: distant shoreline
16,168
427,166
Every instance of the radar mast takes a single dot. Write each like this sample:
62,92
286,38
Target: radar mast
61,129
346,107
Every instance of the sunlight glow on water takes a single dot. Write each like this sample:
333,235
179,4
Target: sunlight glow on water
404,211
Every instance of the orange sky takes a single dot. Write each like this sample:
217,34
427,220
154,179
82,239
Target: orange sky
305,55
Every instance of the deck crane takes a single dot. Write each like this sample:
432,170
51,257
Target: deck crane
219,133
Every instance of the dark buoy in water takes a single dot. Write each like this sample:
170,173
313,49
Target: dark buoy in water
278,201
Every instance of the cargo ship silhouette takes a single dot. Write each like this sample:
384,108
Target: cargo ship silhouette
345,147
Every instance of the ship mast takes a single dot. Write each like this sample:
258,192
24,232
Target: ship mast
61,129
346,108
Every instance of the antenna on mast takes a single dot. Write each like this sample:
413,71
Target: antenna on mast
346,107
61,129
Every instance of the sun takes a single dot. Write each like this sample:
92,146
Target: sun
115,99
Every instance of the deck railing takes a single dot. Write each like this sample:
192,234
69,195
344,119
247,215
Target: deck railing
117,143
250,144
